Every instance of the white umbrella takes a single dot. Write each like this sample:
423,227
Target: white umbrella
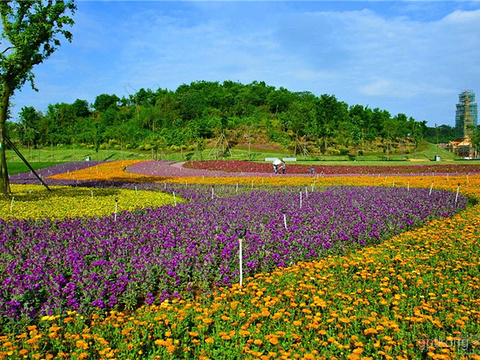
277,162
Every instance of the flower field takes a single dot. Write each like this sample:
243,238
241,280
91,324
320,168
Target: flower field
236,166
333,267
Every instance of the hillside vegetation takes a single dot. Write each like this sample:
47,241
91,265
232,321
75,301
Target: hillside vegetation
222,117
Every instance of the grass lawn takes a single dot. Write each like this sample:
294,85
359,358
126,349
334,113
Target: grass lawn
53,155
20,167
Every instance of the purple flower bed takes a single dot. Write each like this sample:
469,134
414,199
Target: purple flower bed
30,178
86,264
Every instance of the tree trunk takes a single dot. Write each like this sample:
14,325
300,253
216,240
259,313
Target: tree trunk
4,182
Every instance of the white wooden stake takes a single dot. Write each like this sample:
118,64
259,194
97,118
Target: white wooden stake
240,232
11,203
240,258
456,196
306,191
408,186
285,221
116,208
213,192
300,199
236,188
174,199
431,187
136,190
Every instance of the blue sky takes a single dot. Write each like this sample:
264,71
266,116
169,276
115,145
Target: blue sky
403,57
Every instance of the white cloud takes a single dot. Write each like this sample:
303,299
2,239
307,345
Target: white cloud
380,58
399,89
376,88
460,17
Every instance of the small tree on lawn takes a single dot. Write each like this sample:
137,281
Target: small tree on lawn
29,35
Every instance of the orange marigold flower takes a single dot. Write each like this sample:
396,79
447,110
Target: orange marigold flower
370,331
207,321
272,339
234,305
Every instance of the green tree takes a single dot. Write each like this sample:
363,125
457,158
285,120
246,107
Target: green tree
329,114
192,104
297,120
30,120
168,109
378,119
30,34
158,144
145,97
81,108
104,101
63,120
279,100
440,134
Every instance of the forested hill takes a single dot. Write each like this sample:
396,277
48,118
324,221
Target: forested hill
198,113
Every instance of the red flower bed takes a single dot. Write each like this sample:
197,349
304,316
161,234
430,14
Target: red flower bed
256,167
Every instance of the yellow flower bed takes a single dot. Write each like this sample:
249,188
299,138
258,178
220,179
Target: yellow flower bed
111,171
35,201
468,184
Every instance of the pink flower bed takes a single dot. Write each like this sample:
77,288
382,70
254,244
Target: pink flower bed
247,168
168,168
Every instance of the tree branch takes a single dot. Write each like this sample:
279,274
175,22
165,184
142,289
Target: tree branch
8,48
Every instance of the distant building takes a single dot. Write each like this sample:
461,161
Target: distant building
462,148
466,116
